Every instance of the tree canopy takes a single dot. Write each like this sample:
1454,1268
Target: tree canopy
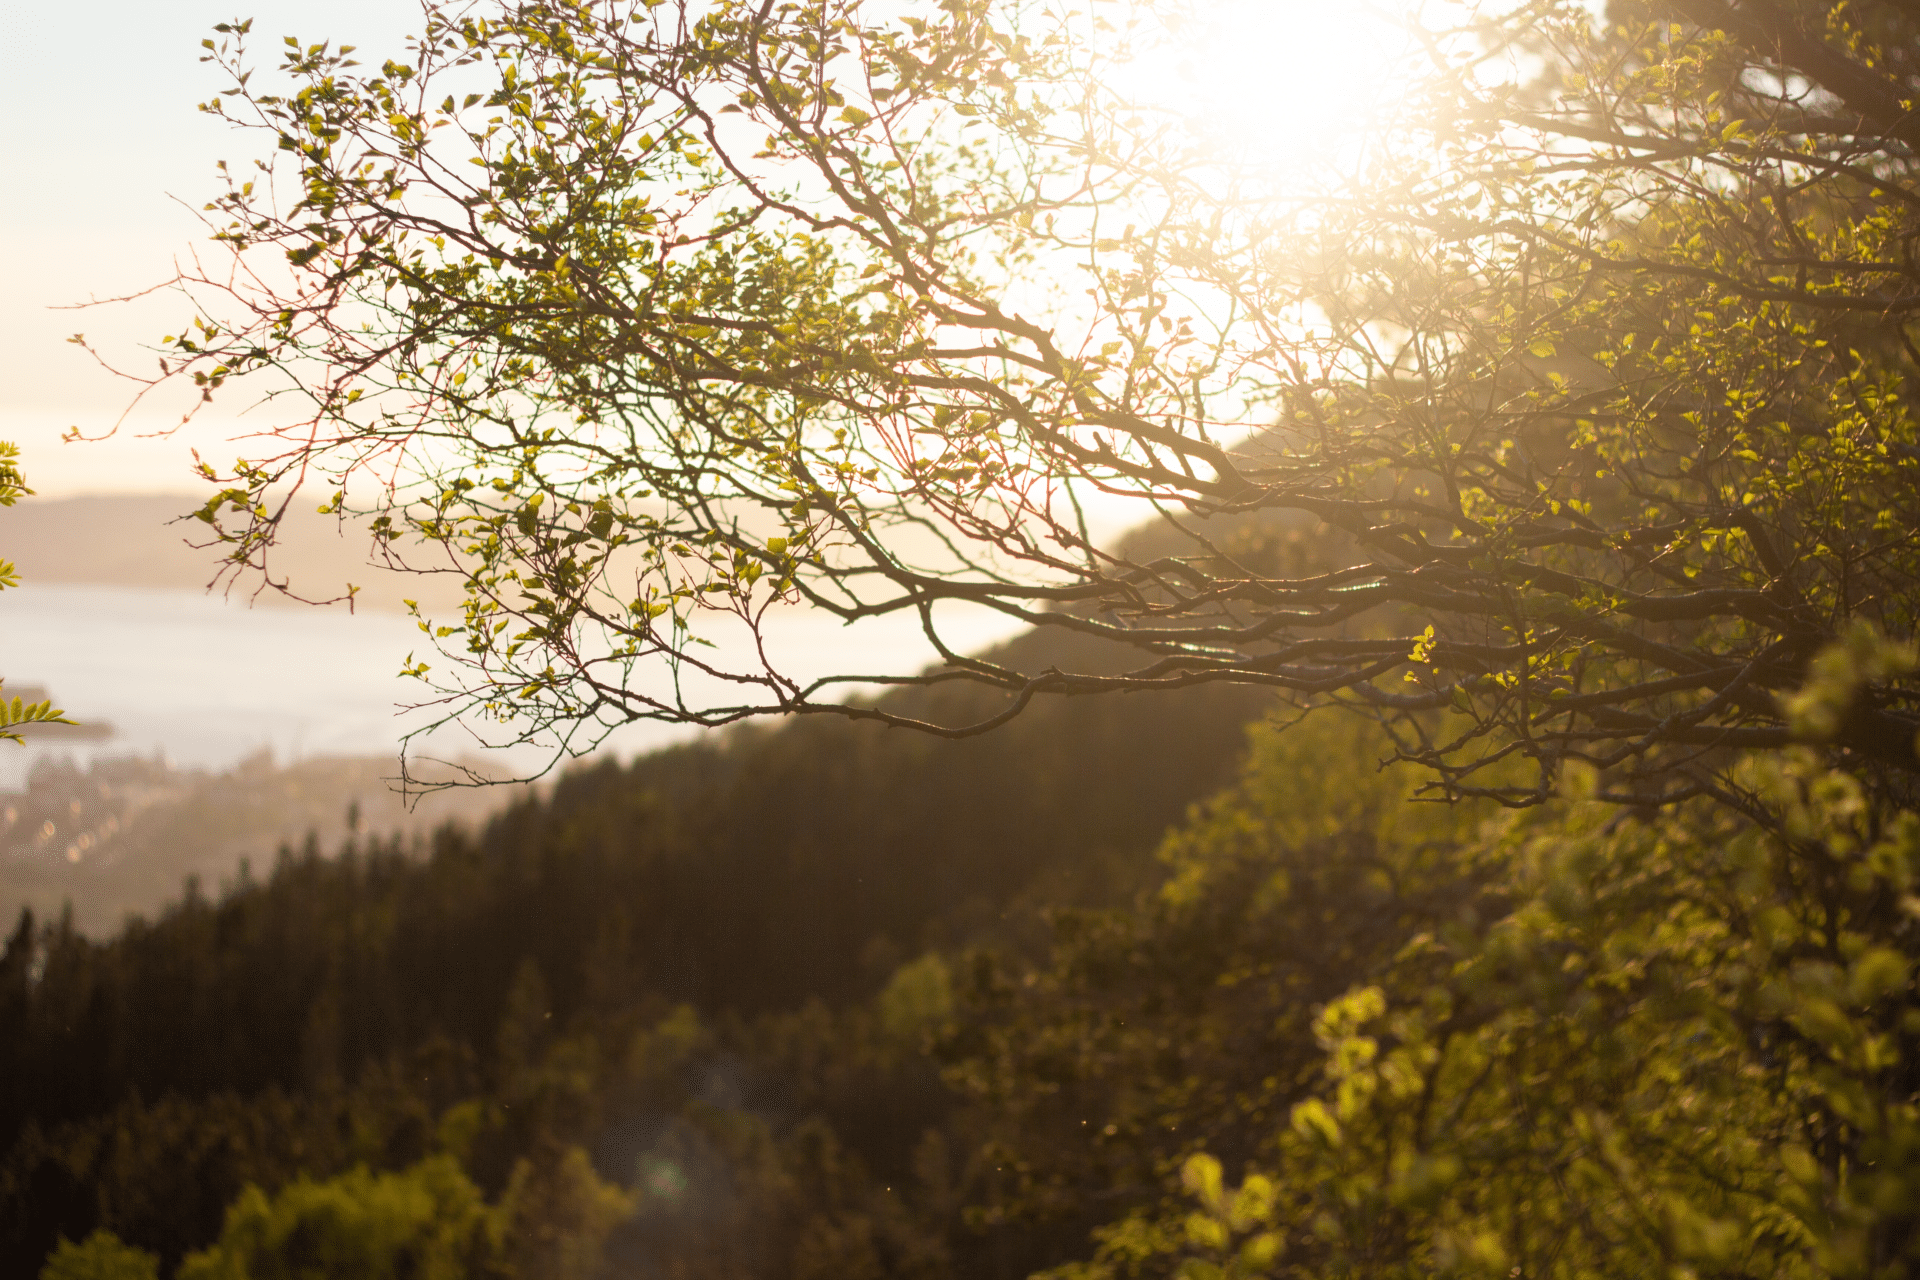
1572,401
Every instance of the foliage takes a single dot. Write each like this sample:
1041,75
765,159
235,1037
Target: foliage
19,712
13,486
1591,361
427,1222
1186,1023
101,1256
1574,1042
556,1216
918,998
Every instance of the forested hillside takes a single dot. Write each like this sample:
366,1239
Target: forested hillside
119,836
1330,1031
709,927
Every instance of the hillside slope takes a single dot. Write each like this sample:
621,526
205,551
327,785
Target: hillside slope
774,881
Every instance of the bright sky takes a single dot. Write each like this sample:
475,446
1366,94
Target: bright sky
1281,81
107,160
99,128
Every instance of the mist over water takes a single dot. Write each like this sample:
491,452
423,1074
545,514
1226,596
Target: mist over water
207,681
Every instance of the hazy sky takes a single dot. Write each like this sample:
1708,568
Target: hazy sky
97,107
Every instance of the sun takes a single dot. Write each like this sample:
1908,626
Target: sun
1286,84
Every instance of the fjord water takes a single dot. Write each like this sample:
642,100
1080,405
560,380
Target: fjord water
202,679
208,680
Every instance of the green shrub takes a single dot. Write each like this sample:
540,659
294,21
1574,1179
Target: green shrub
101,1256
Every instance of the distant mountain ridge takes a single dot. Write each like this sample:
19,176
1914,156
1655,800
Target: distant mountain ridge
142,540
